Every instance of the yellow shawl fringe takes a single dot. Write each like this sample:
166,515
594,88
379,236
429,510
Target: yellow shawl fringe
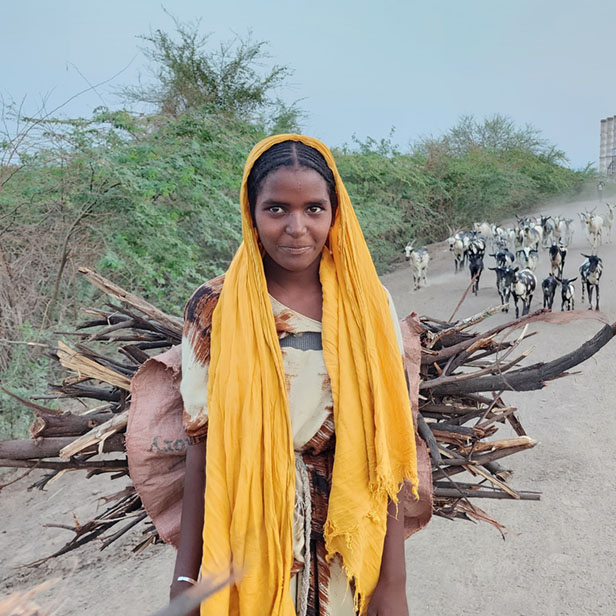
250,477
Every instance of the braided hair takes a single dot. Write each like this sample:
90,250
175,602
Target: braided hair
289,154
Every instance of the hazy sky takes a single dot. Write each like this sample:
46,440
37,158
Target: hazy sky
360,67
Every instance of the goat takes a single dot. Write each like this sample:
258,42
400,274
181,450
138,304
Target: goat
548,226
483,228
518,242
549,289
533,236
503,257
477,246
563,231
504,280
509,237
499,235
590,274
593,224
523,288
530,233
527,258
558,253
419,259
567,293
568,232
458,244
475,266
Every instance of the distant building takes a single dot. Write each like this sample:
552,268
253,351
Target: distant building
607,152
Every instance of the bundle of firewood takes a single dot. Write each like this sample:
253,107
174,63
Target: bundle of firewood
464,374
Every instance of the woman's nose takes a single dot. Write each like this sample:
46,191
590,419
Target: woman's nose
296,225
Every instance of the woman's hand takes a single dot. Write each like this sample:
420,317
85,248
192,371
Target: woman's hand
388,599
177,588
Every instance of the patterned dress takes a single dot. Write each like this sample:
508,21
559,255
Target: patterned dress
319,587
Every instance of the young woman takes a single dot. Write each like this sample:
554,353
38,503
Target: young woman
292,375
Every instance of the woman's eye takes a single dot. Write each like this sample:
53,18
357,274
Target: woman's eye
315,209
274,209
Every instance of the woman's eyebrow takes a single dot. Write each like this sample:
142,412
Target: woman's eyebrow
309,202
274,202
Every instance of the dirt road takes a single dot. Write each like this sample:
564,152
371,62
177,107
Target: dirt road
558,555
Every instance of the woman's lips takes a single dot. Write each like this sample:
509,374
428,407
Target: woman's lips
296,250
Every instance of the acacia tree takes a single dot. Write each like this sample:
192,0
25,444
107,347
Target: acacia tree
188,74
498,134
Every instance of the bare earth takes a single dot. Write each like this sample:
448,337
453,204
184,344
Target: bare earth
558,555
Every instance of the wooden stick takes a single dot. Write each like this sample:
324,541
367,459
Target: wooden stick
98,435
66,424
123,530
108,465
28,449
175,324
433,383
193,597
83,366
534,376
478,461
478,470
466,493
520,441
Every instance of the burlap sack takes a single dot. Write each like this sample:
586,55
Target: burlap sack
156,442
417,513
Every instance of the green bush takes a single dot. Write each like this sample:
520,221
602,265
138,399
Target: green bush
152,203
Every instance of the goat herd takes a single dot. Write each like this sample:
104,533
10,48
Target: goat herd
516,253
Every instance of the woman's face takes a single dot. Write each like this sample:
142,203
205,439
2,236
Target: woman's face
293,215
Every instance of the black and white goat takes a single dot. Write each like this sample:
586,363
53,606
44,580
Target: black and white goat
567,293
548,286
475,266
590,274
505,277
532,233
419,259
558,253
523,288
504,257
477,246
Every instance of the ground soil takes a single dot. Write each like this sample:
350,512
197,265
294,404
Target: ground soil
557,558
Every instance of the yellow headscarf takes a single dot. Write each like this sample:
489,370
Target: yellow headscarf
250,470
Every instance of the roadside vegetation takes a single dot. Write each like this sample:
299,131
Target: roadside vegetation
150,198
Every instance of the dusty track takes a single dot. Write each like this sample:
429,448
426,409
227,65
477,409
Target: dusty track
558,555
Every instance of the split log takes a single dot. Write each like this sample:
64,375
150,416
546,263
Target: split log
27,449
71,465
66,424
84,366
96,436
